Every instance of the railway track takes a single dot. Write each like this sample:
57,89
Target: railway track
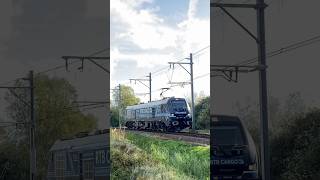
192,138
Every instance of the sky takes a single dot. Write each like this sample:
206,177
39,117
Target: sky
35,34
147,34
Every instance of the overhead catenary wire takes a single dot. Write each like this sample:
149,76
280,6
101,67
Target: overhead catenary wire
197,52
155,73
282,50
56,67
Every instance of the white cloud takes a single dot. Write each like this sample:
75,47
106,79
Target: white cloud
133,27
192,8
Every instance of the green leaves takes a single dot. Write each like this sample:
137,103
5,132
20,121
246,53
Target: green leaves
202,113
57,116
127,98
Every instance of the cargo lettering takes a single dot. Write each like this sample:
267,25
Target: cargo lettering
228,162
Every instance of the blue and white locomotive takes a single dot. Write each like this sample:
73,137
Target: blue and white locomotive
169,114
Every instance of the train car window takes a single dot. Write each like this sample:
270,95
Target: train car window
227,135
59,165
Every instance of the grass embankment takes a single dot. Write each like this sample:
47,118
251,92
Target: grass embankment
139,157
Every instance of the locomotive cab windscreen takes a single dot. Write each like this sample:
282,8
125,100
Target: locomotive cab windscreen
228,135
233,154
178,105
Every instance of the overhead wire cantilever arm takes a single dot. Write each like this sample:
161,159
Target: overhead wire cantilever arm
140,81
239,23
180,64
99,65
228,70
89,58
222,6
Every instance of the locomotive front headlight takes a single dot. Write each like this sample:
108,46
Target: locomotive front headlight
171,115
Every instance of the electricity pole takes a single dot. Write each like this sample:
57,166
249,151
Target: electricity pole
149,86
142,82
119,104
32,144
259,6
263,92
191,81
192,95
33,167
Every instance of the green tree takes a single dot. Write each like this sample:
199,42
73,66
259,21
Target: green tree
127,98
202,113
295,151
57,116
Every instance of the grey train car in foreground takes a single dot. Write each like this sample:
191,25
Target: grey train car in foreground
85,157
169,114
233,152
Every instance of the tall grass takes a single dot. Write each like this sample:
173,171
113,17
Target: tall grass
193,161
130,162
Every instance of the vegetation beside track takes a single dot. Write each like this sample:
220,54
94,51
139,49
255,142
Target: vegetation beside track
136,156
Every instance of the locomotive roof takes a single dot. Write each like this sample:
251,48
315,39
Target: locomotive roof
152,103
89,141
